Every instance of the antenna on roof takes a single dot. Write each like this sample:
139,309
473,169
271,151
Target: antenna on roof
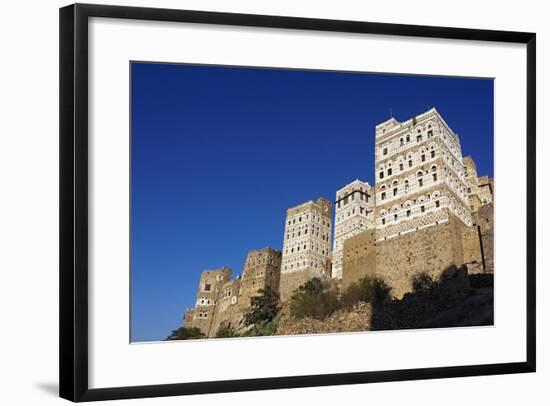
391,112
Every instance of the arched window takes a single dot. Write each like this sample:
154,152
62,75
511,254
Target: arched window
419,174
381,172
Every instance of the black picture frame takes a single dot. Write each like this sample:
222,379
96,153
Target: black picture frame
73,253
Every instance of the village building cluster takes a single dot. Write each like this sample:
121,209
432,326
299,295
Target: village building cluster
427,211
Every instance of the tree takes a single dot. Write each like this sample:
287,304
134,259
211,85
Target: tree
226,332
185,333
314,286
263,328
315,298
263,308
368,290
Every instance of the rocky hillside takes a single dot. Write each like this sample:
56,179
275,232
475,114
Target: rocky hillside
349,320
458,300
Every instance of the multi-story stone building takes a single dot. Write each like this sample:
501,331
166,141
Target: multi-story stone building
354,213
480,189
429,210
423,214
210,285
262,270
420,175
306,247
223,302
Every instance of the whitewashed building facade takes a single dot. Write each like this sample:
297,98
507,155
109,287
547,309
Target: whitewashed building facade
307,236
419,174
354,213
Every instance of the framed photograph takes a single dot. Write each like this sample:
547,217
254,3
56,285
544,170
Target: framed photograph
257,202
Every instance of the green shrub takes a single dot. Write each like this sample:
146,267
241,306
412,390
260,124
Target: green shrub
185,333
264,328
368,290
263,308
226,332
315,298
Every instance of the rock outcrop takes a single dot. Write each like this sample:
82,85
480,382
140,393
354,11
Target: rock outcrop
353,319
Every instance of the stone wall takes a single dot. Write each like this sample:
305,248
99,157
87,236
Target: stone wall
227,306
291,280
210,286
223,302
355,319
188,317
359,257
262,270
485,224
479,240
472,250
432,250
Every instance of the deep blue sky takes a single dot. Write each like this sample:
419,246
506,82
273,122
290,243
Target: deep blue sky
220,153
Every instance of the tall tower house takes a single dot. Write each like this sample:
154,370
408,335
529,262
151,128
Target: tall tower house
210,286
354,209
420,175
306,246
262,270
480,189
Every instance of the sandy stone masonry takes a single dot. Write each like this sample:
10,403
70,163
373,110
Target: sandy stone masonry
222,301
432,210
429,210
398,260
